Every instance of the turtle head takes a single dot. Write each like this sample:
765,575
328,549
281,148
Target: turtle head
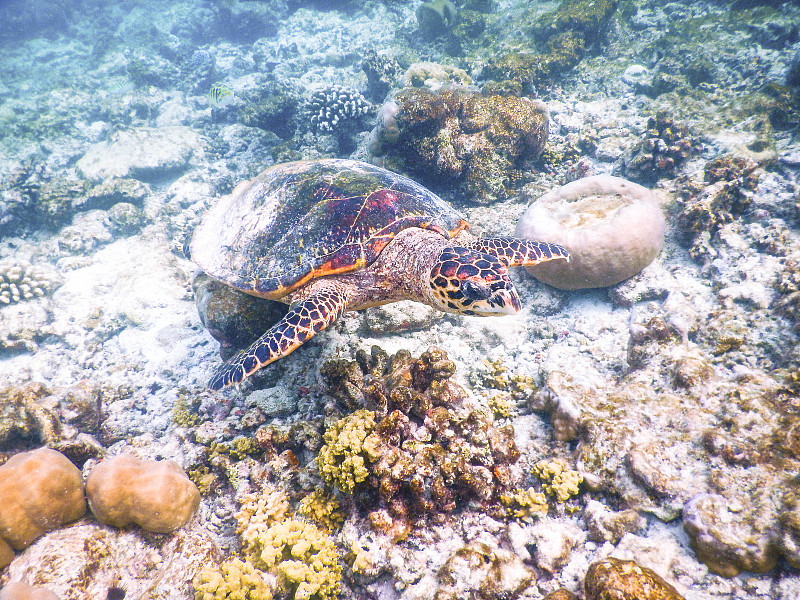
469,282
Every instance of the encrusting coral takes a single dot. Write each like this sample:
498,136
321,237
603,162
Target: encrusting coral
420,448
156,495
41,490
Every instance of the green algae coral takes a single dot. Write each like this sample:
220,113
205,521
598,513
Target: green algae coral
303,557
235,579
350,445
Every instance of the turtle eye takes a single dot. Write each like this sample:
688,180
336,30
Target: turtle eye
475,290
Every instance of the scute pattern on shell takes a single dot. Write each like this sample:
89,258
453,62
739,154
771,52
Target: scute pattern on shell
305,219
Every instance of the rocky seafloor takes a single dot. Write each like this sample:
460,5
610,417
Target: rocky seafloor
657,420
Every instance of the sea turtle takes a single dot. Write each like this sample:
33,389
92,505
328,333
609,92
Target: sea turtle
326,236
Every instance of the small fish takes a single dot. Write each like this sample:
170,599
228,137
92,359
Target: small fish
118,88
220,96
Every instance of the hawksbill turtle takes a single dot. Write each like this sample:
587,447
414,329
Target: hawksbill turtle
327,236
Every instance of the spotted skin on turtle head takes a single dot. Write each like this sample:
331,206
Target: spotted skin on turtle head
474,280
469,282
325,304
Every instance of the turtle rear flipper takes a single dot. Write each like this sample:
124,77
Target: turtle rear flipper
328,300
514,252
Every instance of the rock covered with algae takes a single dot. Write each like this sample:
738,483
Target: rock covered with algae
468,140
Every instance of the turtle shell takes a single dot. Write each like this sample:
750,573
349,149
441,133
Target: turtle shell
300,220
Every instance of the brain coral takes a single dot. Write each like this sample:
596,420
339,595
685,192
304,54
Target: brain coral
460,138
156,495
612,228
40,490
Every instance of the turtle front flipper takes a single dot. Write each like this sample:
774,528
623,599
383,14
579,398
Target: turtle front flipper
514,252
325,304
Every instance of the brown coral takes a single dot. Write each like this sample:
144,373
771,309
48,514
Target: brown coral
427,449
41,490
156,495
474,141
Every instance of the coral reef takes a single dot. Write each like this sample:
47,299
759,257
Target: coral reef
434,76
20,280
23,418
156,495
89,560
726,541
612,228
336,108
461,139
480,570
616,578
663,148
423,450
284,556
41,490
722,197
566,33
381,71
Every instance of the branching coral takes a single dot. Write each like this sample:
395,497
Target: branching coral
335,107
20,280
426,450
350,445
282,555
303,557
235,579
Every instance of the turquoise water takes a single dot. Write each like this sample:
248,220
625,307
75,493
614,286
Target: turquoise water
672,394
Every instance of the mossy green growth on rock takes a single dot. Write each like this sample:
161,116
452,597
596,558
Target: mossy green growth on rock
587,17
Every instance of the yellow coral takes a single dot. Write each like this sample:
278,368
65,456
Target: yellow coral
257,513
321,508
235,579
558,481
350,444
303,557
501,406
525,505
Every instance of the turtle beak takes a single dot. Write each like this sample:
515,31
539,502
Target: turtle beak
505,301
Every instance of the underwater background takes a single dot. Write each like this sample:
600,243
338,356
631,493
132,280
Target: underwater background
640,438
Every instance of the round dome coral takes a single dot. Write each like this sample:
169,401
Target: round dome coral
613,228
